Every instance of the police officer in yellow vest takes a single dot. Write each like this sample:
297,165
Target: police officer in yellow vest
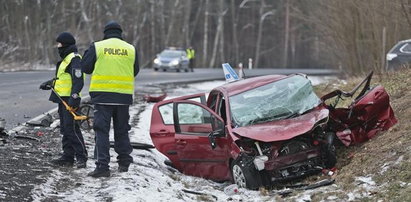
113,64
68,84
191,55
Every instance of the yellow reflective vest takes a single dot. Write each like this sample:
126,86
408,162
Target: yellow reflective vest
63,84
190,53
114,67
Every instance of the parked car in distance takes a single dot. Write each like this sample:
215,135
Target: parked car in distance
399,55
264,130
171,59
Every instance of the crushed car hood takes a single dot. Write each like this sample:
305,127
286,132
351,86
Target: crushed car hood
283,129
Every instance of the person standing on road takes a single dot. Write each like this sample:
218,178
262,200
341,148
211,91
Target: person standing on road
191,55
68,84
113,64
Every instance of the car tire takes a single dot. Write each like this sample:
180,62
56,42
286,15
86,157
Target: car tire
155,69
245,175
164,70
177,70
185,70
329,151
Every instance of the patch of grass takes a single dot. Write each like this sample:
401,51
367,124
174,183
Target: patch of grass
397,172
395,192
324,196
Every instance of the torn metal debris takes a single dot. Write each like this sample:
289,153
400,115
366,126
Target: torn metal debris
44,121
137,145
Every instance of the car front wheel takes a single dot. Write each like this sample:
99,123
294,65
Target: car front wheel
245,175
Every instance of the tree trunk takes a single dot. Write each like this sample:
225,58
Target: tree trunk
205,35
152,27
234,21
286,34
216,39
171,23
222,55
259,35
162,26
186,26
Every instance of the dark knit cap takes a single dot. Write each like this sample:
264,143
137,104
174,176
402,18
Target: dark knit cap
66,39
112,25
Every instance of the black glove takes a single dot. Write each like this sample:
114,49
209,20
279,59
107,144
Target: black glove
46,85
74,102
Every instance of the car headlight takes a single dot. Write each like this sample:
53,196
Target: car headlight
391,56
174,62
156,61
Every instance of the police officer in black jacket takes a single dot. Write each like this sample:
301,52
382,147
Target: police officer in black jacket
113,64
68,83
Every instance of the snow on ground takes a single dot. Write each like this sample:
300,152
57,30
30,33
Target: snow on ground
148,179
365,186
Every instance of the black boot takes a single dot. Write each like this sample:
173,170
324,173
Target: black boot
63,162
81,163
123,168
99,173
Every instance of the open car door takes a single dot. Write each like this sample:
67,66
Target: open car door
201,143
162,126
369,112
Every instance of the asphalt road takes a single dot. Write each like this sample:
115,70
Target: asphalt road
21,99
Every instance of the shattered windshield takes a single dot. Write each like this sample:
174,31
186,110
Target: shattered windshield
282,99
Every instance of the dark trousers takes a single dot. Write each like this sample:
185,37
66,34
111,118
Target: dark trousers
191,64
102,119
73,142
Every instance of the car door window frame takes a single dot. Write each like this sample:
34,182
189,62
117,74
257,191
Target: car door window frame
170,102
403,47
177,124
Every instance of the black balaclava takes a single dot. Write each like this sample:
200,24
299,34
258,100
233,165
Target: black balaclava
68,42
112,30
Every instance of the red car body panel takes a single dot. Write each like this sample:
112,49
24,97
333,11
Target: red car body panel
195,154
163,135
197,158
368,115
247,84
283,129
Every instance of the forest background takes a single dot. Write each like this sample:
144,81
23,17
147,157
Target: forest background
349,35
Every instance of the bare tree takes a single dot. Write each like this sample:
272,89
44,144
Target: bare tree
263,15
205,34
286,33
289,34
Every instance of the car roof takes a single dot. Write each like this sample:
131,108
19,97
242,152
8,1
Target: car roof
398,45
403,41
175,48
249,83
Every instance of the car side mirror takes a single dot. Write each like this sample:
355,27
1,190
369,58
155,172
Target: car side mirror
213,135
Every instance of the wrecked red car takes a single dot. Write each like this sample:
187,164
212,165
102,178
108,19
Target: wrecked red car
264,130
